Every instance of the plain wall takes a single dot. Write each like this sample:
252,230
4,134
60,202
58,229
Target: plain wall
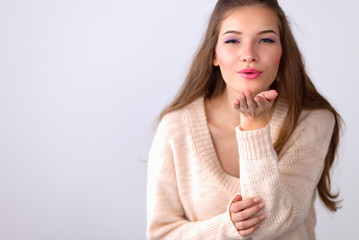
82,82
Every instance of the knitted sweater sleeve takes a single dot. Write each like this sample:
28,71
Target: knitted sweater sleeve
285,183
165,214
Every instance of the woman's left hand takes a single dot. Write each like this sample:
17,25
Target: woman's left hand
253,109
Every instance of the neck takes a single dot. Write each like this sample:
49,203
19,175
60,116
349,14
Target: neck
223,111
220,110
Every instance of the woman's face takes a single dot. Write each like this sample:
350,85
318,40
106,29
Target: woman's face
248,49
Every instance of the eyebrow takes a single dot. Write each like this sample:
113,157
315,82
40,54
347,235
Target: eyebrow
239,33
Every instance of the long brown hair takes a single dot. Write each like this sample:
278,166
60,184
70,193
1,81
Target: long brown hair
295,87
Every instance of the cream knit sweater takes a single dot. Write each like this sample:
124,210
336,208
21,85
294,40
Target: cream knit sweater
188,192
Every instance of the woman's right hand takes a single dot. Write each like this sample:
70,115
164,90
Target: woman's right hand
243,214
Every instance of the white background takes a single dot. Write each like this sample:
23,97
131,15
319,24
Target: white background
82,82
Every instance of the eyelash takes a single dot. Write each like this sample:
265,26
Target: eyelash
267,40
231,41
263,40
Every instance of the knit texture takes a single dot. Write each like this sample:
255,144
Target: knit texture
188,192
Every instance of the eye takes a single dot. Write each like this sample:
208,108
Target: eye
267,40
231,41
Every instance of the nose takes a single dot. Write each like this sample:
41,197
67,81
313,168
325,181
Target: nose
248,53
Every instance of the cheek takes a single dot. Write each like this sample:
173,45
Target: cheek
272,61
275,59
225,58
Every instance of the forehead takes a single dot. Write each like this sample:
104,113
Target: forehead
249,19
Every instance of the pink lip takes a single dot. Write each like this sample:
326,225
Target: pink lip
249,73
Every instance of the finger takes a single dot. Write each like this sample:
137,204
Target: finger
248,231
262,103
247,213
250,222
270,95
243,102
237,197
235,104
244,204
250,101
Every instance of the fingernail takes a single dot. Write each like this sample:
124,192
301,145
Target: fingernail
261,205
256,200
257,226
262,217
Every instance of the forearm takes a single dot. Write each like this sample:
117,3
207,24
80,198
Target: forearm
166,217
215,228
286,190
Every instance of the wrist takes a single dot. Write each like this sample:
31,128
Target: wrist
249,123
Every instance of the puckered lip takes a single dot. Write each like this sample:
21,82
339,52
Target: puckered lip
249,70
250,73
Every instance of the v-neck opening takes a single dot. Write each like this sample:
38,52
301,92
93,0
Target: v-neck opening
205,148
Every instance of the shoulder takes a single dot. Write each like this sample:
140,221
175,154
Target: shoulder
315,127
175,122
320,118
314,117
172,131
312,134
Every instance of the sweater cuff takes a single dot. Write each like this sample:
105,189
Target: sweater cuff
255,144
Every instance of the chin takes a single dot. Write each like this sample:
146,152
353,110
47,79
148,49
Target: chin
252,87
253,90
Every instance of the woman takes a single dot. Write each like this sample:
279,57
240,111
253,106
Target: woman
243,147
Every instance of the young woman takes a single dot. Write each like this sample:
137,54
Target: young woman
243,147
